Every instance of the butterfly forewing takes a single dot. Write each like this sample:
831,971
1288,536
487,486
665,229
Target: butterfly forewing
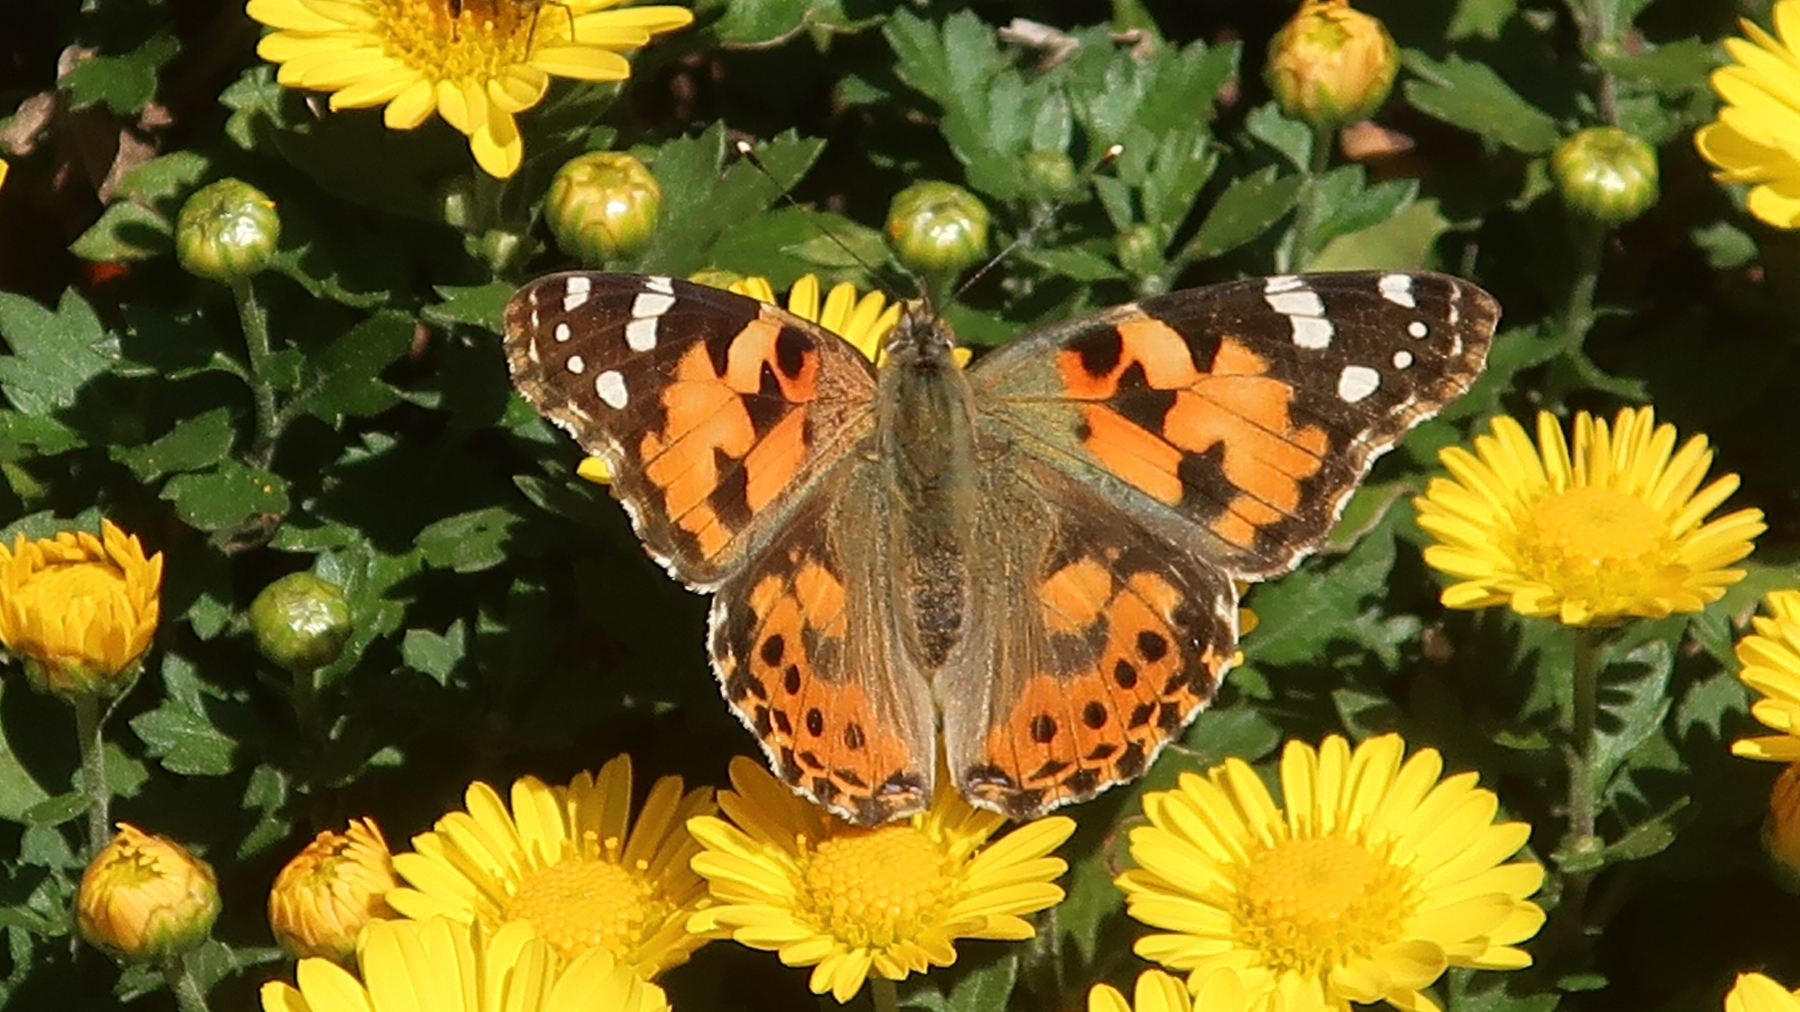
713,411
1248,410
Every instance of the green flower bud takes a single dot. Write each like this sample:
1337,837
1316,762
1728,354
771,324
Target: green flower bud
226,231
602,206
1331,66
301,622
1605,175
1049,173
938,228
1140,250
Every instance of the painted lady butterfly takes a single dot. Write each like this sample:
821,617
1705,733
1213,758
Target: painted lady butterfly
1029,563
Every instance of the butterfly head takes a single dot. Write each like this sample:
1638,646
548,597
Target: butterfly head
920,338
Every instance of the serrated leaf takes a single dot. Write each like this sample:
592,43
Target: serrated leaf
345,379
1633,699
193,444
19,790
1405,241
184,740
1292,138
124,83
469,542
54,353
472,305
757,23
1250,206
434,654
1074,262
126,231
986,988
54,811
226,496
1470,95
1482,19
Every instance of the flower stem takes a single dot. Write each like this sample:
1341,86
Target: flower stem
1306,213
88,723
885,994
1581,843
256,339
188,996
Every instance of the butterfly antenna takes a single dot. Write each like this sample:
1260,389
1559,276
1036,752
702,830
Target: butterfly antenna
1042,220
748,154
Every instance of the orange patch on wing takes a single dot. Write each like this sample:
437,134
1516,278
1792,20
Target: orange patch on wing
821,598
1141,458
1072,597
706,418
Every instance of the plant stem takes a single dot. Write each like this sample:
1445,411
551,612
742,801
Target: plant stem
256,339
1306,212
88,723
1580,758
885,994
188,996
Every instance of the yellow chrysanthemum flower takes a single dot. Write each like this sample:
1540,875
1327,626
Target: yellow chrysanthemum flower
569,861
1771,665
1615,528
475,62
338,883
1754,992
847,900
1756,138
145,898
441,965
1156,991
863,320
79,609
1373,879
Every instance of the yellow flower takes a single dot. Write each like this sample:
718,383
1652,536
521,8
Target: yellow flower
443,966
789,877
1756,139
144,898
1615,528
1375,877
475,62
1754,992
1771,665
79,609
1156,991
1331,65
570,862
325,895
861,320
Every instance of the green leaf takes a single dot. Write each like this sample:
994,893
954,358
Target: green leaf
1675,68
1649,838
19,790
1471,96
1079,263
1633,700
193,444
1480,19
226,495
700,202
1405,241
126,231
757,23
184,741
126,84
56,810
435,655
1292,138
54,354
784,244
986,988
471,305
1248,208
345,379
469,542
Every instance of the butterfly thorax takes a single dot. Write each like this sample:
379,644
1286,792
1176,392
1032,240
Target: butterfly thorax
925,429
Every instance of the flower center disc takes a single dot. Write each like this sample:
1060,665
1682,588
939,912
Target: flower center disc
451,41
876,887
577,904
1308,905
1586,540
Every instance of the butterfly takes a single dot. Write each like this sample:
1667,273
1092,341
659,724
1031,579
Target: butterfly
1029,566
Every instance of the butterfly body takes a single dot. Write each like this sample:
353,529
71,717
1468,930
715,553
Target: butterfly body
1027,566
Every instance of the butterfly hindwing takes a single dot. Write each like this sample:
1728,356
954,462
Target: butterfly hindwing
712,410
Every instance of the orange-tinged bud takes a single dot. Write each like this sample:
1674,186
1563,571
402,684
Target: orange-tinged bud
79,610
325,895
1781,828
144,898
1330,65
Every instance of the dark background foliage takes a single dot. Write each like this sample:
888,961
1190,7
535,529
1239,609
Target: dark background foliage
507,621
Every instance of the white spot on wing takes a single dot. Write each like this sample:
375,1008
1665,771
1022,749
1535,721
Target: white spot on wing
1397,288
651,304
611,388
1311,332
1282,283
562,333
1417,328
658,283
641,334
576,364
1357,382
575,293
1300,302
1403,359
